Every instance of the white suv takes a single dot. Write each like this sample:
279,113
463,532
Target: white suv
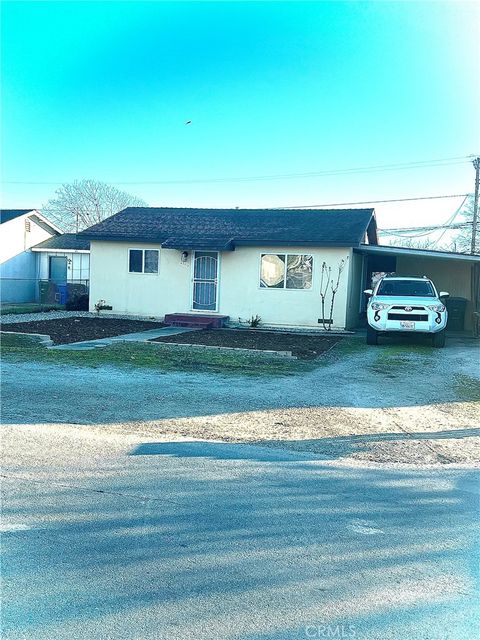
406,305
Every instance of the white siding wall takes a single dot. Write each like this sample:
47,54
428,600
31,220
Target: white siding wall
18,264
78,265
14,239
239,296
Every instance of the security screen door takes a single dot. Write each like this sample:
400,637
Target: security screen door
205,272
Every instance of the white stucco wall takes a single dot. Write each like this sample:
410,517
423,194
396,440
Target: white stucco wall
239,295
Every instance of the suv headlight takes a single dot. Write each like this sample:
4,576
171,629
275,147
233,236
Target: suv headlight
436,307
378,306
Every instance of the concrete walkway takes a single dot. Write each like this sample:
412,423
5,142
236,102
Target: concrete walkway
138,336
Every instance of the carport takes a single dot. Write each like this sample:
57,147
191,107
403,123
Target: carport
457,273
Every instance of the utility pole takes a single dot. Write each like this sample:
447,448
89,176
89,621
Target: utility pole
476,164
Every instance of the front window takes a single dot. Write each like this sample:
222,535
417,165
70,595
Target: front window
406,288
143,261
286,271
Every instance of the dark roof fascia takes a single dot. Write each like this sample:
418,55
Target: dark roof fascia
235,243
290,243
122,238
192,244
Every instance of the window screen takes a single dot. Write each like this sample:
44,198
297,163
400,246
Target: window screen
299,272
151,261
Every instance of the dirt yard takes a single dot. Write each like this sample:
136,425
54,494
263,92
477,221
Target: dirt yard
67,330
301,345
395,404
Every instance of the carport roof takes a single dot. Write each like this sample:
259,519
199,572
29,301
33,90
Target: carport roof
422,253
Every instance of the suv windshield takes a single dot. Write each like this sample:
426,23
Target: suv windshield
406,288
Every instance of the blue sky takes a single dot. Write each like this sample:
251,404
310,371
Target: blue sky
102,90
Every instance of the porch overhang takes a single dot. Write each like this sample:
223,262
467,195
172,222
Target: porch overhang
199,244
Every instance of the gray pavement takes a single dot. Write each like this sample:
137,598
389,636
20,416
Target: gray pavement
123,536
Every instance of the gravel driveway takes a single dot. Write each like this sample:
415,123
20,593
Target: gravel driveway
380,404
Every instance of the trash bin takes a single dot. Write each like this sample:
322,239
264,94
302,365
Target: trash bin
456,313
61,293
44,288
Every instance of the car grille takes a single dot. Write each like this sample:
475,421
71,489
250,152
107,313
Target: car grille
404,308
418,317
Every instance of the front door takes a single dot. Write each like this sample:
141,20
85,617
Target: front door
58,269
205,280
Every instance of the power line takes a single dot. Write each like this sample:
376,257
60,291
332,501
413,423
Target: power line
441,162
425,231
449,225
343,204
336,204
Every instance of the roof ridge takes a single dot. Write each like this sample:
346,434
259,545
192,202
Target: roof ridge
269,209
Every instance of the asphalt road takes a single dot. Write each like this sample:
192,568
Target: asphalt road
117,536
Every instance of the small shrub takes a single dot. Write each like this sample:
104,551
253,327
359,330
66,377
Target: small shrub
78,302
255,321
102,306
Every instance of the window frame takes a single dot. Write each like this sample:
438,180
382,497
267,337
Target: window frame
143,272
286,254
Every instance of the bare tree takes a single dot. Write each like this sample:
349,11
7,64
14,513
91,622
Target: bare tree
327,284
85,202
463,240
410,243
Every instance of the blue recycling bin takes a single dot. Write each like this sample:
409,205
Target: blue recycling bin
62,293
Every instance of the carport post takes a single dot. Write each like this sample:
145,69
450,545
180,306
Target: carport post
476,164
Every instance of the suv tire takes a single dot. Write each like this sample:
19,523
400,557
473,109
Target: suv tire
439,339
372,335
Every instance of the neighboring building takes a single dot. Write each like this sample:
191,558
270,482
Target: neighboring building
63,267
21,229
243,262
39,263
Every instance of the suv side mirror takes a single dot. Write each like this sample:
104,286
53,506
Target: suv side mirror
368,292
443,294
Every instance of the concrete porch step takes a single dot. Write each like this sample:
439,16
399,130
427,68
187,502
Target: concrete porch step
194,320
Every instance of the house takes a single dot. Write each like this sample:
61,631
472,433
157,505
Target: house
39,263
229,262
20,230
63,267
238,263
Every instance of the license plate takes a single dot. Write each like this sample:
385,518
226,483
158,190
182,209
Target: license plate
407,324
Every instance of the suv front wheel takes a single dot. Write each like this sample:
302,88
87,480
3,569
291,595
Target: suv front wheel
439,339
372,335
